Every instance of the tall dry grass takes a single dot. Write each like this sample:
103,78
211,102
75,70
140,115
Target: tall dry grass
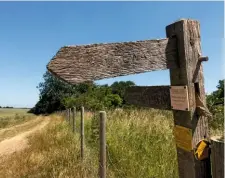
53,152
140,144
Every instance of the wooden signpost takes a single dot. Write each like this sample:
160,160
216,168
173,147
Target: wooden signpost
157,97
76,64
180,52
183,137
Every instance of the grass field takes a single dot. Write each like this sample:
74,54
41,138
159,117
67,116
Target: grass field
8,112
12,116
140,144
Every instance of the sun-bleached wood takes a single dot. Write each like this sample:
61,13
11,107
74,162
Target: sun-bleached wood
82,133
76,64
74,118
190,73
157,97
102,149
217,156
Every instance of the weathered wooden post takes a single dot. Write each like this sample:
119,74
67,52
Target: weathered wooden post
64,113
82,132
74,119
102,158
217,157
69,113
191,126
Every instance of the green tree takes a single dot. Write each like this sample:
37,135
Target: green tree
215,103
56,94
220,92
120,88
53,91
96,98
216,97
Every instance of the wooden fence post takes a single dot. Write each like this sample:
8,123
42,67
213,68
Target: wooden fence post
217,157
74,119
69,115
64,113
102,162
82,132
191,127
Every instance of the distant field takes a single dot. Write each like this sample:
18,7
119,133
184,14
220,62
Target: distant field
12,116
8,112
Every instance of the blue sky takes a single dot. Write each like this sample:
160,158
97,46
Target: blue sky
32,32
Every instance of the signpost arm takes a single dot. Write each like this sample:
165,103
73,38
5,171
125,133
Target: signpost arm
190,74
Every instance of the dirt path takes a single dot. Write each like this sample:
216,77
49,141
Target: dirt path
19,141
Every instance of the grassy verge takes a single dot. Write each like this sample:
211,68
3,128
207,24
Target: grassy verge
19,128
140,144
53,152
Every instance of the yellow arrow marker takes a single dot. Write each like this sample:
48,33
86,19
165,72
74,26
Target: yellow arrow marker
202,150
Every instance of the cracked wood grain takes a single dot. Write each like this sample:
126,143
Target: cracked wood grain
157,97
190,73
76,64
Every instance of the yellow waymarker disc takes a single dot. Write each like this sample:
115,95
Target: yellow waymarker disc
202,150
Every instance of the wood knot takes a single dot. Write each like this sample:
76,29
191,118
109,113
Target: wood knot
192,42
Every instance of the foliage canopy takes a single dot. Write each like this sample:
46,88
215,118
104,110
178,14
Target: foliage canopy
56,94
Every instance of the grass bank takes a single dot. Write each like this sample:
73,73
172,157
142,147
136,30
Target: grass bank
140,144
53,152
